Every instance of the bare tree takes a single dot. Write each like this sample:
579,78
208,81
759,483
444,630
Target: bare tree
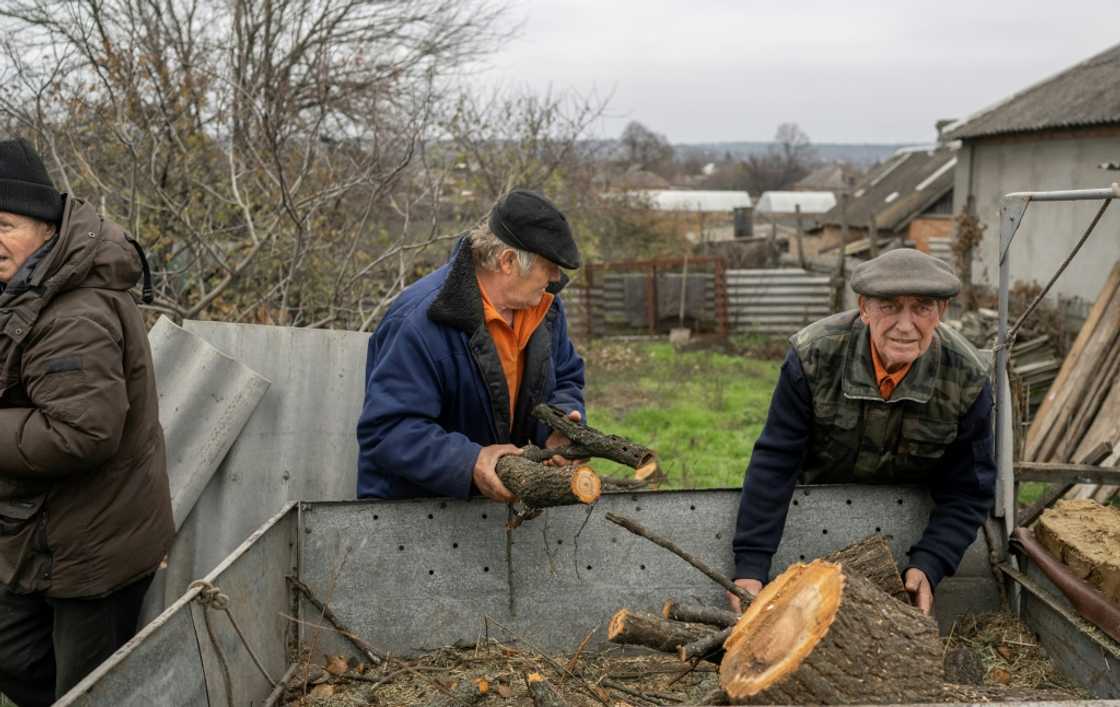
646,149
270,154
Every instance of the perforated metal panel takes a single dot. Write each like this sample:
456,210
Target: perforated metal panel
410,575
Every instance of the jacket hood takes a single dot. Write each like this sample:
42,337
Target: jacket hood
90,252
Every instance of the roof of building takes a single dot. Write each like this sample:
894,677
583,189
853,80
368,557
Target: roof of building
899,189
785,202
703,201
1085,94
829,177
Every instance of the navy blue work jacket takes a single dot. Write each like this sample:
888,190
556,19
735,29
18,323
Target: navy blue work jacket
436,393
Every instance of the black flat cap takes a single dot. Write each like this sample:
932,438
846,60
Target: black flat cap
905,271
526,220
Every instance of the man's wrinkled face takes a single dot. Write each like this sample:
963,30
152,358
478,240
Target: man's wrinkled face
524,291
901,327
20,237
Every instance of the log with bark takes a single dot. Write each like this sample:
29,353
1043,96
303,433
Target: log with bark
541,486
709,648
698,614
542,692
637,629
820,634
872,559
590,442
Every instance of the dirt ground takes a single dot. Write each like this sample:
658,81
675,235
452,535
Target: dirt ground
994,655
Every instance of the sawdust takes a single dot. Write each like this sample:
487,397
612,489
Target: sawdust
609,677
1010,665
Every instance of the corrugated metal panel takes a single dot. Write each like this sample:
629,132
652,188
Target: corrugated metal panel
300,442
776,302
205,399
942,248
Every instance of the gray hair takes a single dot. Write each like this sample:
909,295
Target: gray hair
487,248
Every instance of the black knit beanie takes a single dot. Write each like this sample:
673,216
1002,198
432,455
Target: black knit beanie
25,186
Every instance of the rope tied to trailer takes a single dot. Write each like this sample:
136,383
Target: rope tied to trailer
211,597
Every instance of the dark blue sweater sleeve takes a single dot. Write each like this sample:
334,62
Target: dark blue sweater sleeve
963,492
772,473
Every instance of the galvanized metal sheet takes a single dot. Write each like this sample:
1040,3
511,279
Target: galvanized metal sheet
173,660
299,443
161,665
1080,650
205,399
409,575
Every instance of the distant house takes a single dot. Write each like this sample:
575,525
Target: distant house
705,216
1054,134
909,198
830,177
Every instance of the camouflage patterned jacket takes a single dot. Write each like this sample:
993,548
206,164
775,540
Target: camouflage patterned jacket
828,424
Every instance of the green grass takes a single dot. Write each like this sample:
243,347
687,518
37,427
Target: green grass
700,410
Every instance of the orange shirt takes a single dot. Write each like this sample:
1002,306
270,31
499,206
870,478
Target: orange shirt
887,381
511,340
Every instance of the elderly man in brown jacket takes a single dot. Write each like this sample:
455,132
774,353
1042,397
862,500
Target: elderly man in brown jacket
85,511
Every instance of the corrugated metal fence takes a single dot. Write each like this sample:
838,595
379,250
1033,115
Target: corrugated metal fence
774,302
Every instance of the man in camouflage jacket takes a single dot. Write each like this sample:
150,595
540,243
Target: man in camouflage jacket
882,394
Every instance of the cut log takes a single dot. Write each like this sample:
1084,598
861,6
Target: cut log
872,559
593,443
540,486
709,648
818,634
697,614
466,694
635,629
543,693
1085,536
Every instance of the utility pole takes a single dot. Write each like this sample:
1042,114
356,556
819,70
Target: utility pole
800,239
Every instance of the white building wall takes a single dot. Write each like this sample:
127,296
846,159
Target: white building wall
988,169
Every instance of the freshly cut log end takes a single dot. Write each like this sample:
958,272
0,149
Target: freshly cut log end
797,642
647,467
541,486
586,485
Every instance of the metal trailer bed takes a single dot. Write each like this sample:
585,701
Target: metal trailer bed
419,574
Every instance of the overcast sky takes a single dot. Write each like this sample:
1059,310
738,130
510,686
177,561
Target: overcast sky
851,71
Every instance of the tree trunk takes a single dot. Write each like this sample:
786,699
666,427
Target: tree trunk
543,693
698,614
818,634
635,629
872,559
540,486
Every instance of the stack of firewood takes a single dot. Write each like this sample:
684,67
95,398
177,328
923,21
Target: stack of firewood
837,630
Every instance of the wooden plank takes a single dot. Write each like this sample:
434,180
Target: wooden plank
1056,473
1053,405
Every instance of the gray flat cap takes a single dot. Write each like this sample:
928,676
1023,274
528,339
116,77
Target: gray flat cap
905,271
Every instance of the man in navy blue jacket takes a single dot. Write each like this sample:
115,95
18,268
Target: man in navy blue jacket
463,356
884,394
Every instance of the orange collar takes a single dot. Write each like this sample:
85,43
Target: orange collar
887,382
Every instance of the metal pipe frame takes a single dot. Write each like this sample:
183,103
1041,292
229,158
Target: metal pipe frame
1012,210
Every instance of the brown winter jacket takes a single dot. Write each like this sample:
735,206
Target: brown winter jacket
84,500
